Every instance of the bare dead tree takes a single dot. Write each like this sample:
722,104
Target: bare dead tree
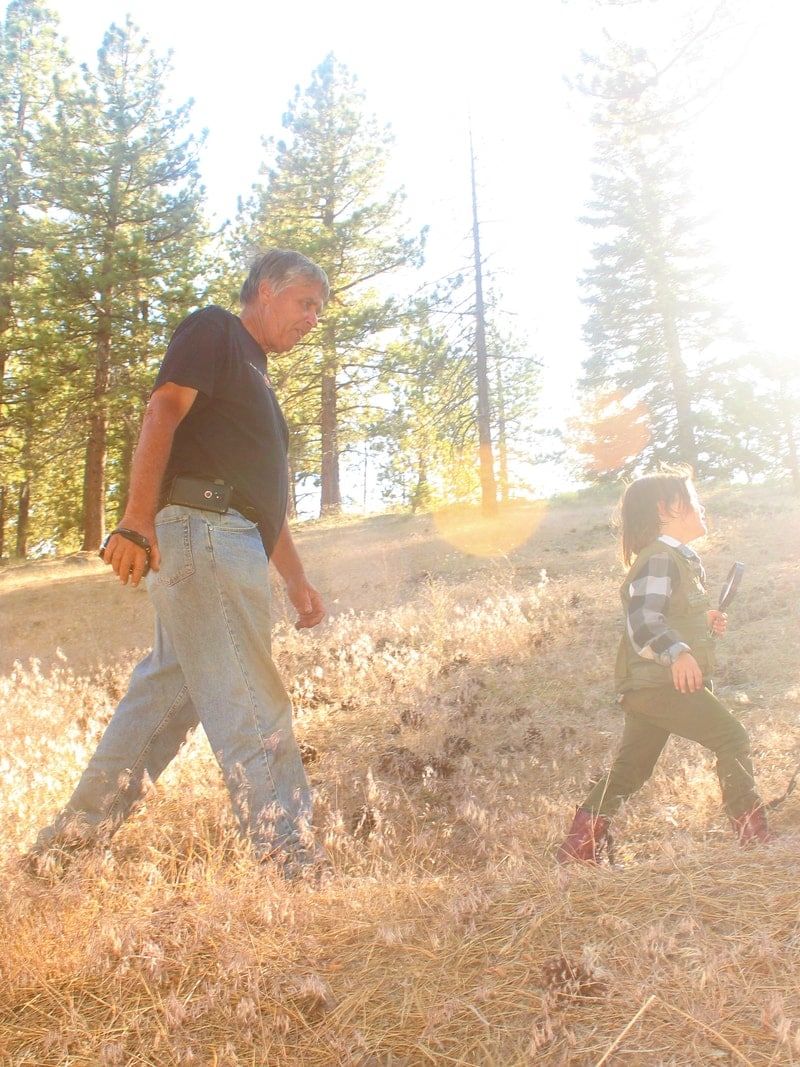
488,485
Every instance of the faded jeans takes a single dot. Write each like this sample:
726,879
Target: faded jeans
211,663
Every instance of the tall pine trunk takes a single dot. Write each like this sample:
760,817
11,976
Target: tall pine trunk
420,497
330,495
676,366
502,443
330,502
24,494
679,380
129,436
291,506
8,244
8,277
3,499
94,481
23,518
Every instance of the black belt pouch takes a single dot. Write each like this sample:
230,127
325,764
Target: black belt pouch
203,493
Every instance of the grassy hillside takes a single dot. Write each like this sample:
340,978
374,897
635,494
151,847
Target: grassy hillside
455,707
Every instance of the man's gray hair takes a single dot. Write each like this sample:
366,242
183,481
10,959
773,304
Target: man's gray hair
281,267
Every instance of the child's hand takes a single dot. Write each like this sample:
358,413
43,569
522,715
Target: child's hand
717,622
686,674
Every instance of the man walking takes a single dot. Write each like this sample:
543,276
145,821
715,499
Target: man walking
206,514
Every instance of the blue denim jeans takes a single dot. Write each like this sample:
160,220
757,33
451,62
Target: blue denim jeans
211,663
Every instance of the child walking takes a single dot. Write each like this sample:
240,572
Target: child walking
664,666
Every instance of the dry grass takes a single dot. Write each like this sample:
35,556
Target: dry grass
451,727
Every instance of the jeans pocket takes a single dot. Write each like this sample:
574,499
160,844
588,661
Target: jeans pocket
175,545
233,521
238,551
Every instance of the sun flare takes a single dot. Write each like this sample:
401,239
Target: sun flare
466,528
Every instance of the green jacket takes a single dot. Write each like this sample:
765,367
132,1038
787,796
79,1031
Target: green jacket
686,614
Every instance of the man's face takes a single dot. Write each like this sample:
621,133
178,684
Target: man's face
289,314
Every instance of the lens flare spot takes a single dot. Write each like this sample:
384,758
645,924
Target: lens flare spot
465,527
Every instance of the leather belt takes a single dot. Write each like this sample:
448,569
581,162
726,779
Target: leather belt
238,503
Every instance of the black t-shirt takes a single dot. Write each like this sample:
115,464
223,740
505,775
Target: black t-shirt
235,429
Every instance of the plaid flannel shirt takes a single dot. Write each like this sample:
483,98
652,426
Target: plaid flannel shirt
650,593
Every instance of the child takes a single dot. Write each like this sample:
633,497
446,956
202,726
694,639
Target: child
664,665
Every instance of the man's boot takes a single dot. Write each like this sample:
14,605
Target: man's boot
585,839
751,827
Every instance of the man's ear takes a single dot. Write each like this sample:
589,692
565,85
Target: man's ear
265,291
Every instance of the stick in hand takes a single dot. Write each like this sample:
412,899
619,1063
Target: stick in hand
732,583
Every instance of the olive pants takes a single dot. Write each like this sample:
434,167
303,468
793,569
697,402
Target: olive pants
651,715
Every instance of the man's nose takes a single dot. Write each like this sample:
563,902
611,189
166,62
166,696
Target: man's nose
312,318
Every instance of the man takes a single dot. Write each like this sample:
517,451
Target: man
206,514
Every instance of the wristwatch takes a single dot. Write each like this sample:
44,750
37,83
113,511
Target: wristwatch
129,535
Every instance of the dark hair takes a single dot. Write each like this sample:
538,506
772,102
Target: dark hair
280,267
638,509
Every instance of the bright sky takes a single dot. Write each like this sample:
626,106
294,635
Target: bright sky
427,66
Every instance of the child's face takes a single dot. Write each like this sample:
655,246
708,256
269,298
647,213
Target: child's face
686,522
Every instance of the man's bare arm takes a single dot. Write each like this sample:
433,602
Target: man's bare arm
167,408
302,594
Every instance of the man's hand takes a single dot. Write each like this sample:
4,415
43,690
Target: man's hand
128,560
300,591
686,674
717,622
166,409
308,602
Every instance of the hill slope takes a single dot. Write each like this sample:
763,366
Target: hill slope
453,718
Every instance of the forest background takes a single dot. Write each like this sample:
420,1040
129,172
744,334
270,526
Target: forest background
590,201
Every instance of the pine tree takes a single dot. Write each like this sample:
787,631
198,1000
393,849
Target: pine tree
515,380
324,196
430,424
31,61
757,416
650,317
429,438
127,260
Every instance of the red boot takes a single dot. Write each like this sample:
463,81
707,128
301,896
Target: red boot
585,839
751,827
